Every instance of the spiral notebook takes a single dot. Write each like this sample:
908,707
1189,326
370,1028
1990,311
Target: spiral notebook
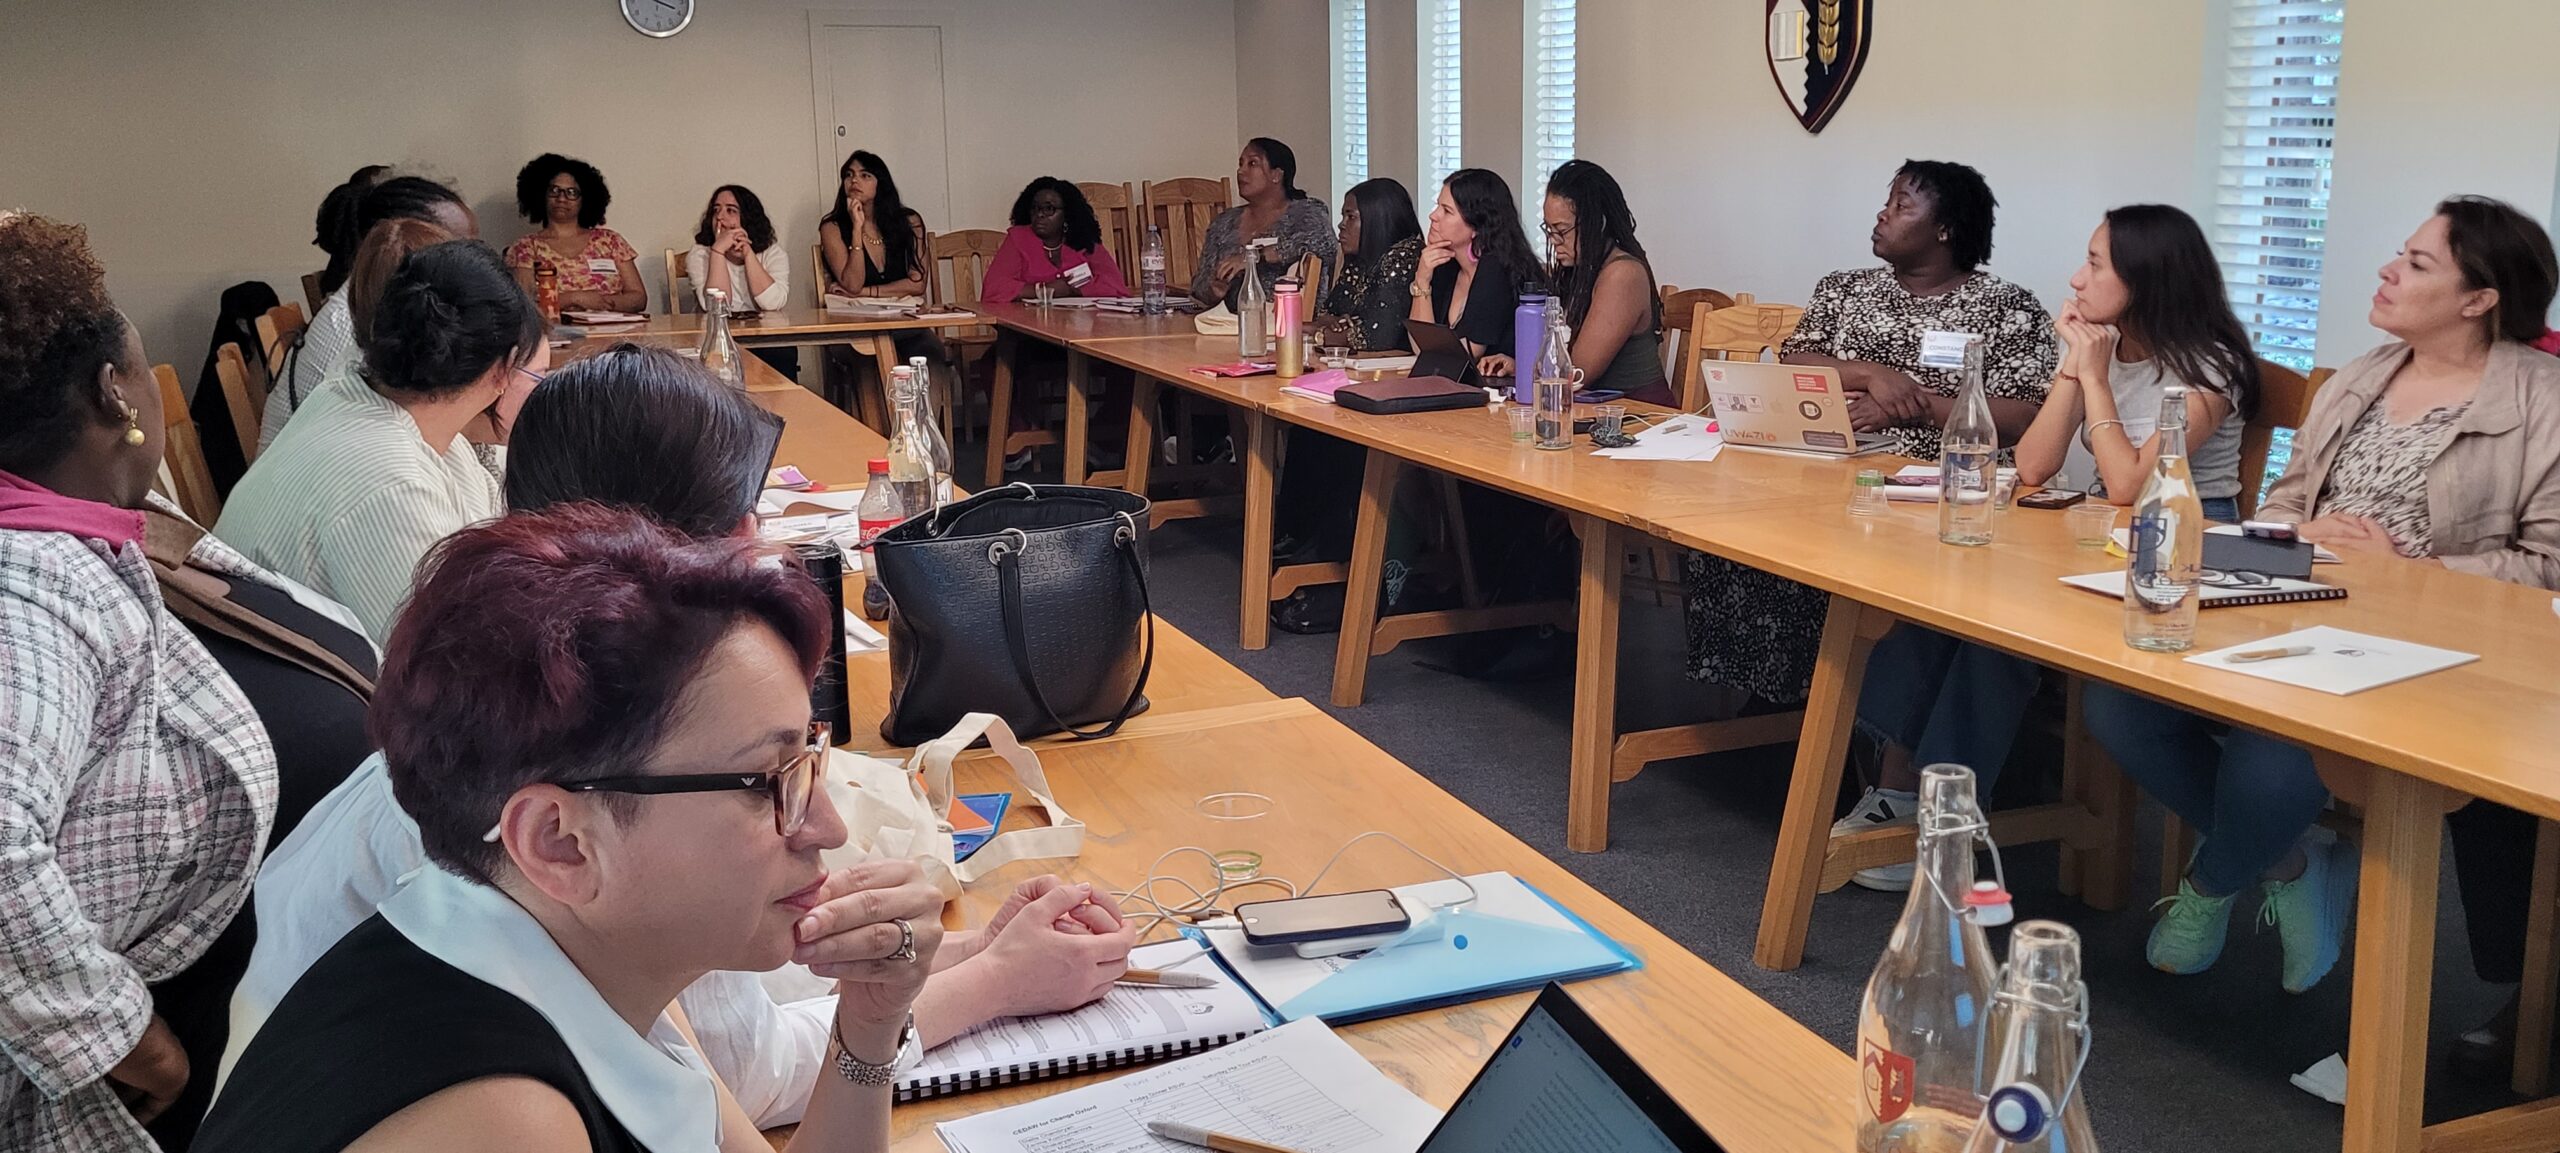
2277,590
1130,1025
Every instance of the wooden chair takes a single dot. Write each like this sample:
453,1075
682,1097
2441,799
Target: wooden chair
871,406
679,285
1743,330
1117,208
276,331
243,394
1183,208
960,260
182,455
311,291
1680,310
2284,399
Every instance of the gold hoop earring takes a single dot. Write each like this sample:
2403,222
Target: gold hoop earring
133,427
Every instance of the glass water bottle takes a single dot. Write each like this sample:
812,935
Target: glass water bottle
2161,594
1558,379
719,351
910,453
940,454
1253,307
2035,1047
1920,1026
1968,460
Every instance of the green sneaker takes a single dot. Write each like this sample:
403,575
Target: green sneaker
2188,938
2310,912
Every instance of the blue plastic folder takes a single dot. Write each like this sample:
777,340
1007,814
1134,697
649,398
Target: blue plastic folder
1512,938
991,807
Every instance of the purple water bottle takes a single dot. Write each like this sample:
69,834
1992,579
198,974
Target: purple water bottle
1528,330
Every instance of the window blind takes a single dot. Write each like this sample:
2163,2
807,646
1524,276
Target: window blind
1547,90
1350,96
2272,204
1442,133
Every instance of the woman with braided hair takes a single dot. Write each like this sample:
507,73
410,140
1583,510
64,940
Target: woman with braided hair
377,467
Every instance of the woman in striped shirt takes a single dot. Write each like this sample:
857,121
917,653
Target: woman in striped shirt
378,466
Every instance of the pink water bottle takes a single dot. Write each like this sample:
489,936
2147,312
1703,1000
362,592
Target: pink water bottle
1292,326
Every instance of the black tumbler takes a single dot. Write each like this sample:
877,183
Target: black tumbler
829,700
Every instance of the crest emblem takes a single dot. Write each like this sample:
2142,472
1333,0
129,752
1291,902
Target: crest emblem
1889,1082
1816,48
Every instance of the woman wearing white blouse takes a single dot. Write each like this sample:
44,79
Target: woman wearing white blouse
735,251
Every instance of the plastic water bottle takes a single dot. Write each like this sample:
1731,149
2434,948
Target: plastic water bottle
1151,273
1920,1025
1557,381
2037,1043
1968,460
2161,594
1528,329
876,513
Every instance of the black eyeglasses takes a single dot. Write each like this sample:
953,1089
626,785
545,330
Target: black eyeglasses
1047,209
562,193
2234,579
790,786
1556,231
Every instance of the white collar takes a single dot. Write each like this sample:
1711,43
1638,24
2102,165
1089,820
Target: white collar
666,1103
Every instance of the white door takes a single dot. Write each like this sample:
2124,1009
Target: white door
881,86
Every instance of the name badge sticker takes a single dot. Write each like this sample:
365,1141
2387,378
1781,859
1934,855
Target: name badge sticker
602,267
1939,349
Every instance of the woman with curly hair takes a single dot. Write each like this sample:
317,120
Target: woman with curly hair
564,199
1054,233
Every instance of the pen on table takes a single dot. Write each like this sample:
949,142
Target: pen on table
2255,655
1168,980
1195,1135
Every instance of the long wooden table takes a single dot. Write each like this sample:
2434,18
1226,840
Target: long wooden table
1071,329
794,326
1751,1075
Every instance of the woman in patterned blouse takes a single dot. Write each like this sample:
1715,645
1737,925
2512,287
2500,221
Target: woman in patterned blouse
564,200
1381,243
137,786
2442,446
1274,207
1758,632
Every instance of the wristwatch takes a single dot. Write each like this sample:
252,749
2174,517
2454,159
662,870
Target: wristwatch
1418,289
861,1072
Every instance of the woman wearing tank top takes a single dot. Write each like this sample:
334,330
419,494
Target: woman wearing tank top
1605,284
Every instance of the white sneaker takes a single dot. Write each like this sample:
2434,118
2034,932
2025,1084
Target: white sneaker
1881,808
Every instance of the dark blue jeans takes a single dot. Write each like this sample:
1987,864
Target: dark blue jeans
2249,797
1946,700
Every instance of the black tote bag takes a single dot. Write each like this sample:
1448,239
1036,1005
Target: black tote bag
1027,601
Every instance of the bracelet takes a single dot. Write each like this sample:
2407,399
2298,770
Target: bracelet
861,1072
2086,430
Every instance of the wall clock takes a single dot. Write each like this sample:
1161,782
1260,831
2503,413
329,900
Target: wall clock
659,18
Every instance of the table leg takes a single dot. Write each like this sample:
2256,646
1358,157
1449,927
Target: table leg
1141,452
1261,459
1000,409
2395,963
1786,914
874,402
1595,686
1079,386
2532,1072
1360,587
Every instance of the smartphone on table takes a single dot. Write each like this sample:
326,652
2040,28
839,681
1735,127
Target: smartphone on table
1323,918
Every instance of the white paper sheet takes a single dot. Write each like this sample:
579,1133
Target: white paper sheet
1685,437
1128,1017
2342,662
1297,1086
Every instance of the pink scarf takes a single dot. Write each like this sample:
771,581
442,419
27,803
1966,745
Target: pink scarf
29,507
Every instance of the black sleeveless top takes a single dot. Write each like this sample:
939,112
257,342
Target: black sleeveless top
376,1026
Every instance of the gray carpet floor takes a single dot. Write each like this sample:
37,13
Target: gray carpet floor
2178,1063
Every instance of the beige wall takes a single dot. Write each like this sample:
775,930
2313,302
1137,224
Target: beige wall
2433,99
195,141
1285,90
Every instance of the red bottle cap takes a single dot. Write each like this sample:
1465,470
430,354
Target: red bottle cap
879,466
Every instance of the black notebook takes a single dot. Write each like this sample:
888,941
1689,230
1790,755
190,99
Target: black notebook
1130,1025
2277,590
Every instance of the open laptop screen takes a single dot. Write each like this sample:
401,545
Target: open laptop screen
1559,1082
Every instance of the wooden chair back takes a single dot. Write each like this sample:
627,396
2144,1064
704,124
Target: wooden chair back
960,260
2284,399
276,331
1680,309
182,454
1310,282
679,286
1117,208
818,275
246,402
1743,330
1183,208
311,291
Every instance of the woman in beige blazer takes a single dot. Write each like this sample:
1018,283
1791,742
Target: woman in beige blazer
2442,446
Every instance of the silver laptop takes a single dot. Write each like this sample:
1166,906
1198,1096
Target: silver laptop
1785,408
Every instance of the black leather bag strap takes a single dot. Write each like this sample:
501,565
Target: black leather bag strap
1008,561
